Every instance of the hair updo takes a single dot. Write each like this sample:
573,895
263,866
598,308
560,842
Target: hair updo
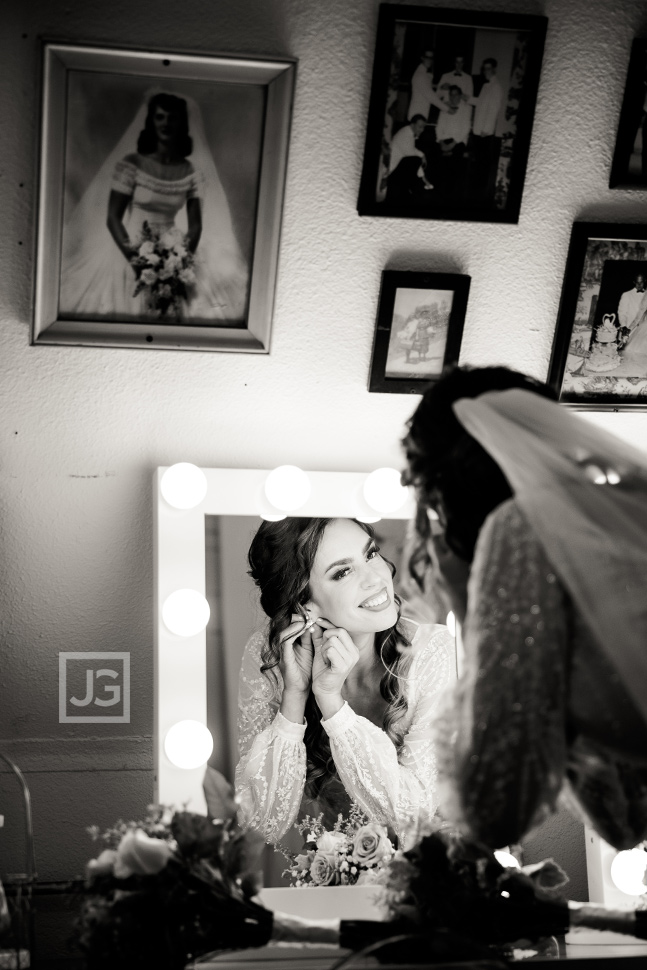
451,472
280,559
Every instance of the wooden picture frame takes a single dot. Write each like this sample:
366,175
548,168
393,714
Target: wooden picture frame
418,331
472,143
599,356
131,139
629,165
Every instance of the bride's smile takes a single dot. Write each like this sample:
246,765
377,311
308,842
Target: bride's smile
351,584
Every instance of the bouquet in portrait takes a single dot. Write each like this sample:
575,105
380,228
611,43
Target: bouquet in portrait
164,267
355,852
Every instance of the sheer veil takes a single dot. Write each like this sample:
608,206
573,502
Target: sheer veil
87,243
584,493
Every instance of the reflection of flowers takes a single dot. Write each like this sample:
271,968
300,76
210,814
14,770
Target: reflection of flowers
355,852
371,845
323,869
164,266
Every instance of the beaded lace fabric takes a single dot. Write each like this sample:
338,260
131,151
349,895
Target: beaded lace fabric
554,694
396,789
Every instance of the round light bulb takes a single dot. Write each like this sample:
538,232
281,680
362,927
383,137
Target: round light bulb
188,744
451,623
384,491
265,508
506,859
185,612
628,871
287,488
183,485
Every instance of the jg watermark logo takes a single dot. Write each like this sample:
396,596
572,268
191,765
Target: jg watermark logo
94,688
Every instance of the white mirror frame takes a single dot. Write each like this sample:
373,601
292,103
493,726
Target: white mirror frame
180,671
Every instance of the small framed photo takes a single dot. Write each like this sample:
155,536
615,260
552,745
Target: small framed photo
629,165
451,111
161,188
418,331
599,358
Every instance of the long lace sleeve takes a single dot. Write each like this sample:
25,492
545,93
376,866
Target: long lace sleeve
502,746
270,775
397,789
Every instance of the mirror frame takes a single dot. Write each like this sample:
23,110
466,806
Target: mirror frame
180,670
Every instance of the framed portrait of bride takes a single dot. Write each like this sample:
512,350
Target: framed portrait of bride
599,357
161,181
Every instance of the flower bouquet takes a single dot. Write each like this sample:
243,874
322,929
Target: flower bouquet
355,853
164,266
177,886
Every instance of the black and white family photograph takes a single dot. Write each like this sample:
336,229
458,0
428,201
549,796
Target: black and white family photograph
601,338
451,113
419,329
419,333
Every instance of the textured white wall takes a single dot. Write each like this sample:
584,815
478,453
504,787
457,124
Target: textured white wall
83,429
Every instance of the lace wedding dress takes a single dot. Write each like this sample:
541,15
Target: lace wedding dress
394,789
552,700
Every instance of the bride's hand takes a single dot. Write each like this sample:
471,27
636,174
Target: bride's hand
297,653
335,655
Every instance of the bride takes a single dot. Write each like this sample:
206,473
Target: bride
541,522
337,696
157,184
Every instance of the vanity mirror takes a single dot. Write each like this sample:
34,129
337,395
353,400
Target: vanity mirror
189,543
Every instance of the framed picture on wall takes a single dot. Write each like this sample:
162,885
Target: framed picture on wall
629,165
599,358
161,187
451,111
418,331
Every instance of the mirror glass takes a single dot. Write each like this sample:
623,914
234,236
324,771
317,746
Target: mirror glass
235,614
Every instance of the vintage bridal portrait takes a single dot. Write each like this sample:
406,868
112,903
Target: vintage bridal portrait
159,201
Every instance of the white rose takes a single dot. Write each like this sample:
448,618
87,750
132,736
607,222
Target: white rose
371,845
331,842
138,854
103,864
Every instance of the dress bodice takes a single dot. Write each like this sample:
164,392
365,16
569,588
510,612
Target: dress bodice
154,198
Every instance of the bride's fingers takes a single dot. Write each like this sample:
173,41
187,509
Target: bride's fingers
296,628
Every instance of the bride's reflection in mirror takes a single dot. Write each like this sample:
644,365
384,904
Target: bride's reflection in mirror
339,679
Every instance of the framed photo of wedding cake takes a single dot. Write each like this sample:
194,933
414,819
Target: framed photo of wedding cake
161,181
599,356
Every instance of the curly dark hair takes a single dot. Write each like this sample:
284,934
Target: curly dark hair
451,472
147,141
280,558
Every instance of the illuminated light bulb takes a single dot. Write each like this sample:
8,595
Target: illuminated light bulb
185,612
287,488
595,474
384,491
362,511
183,485
188,744
628,871
266,510
612,477
506,859
451,623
